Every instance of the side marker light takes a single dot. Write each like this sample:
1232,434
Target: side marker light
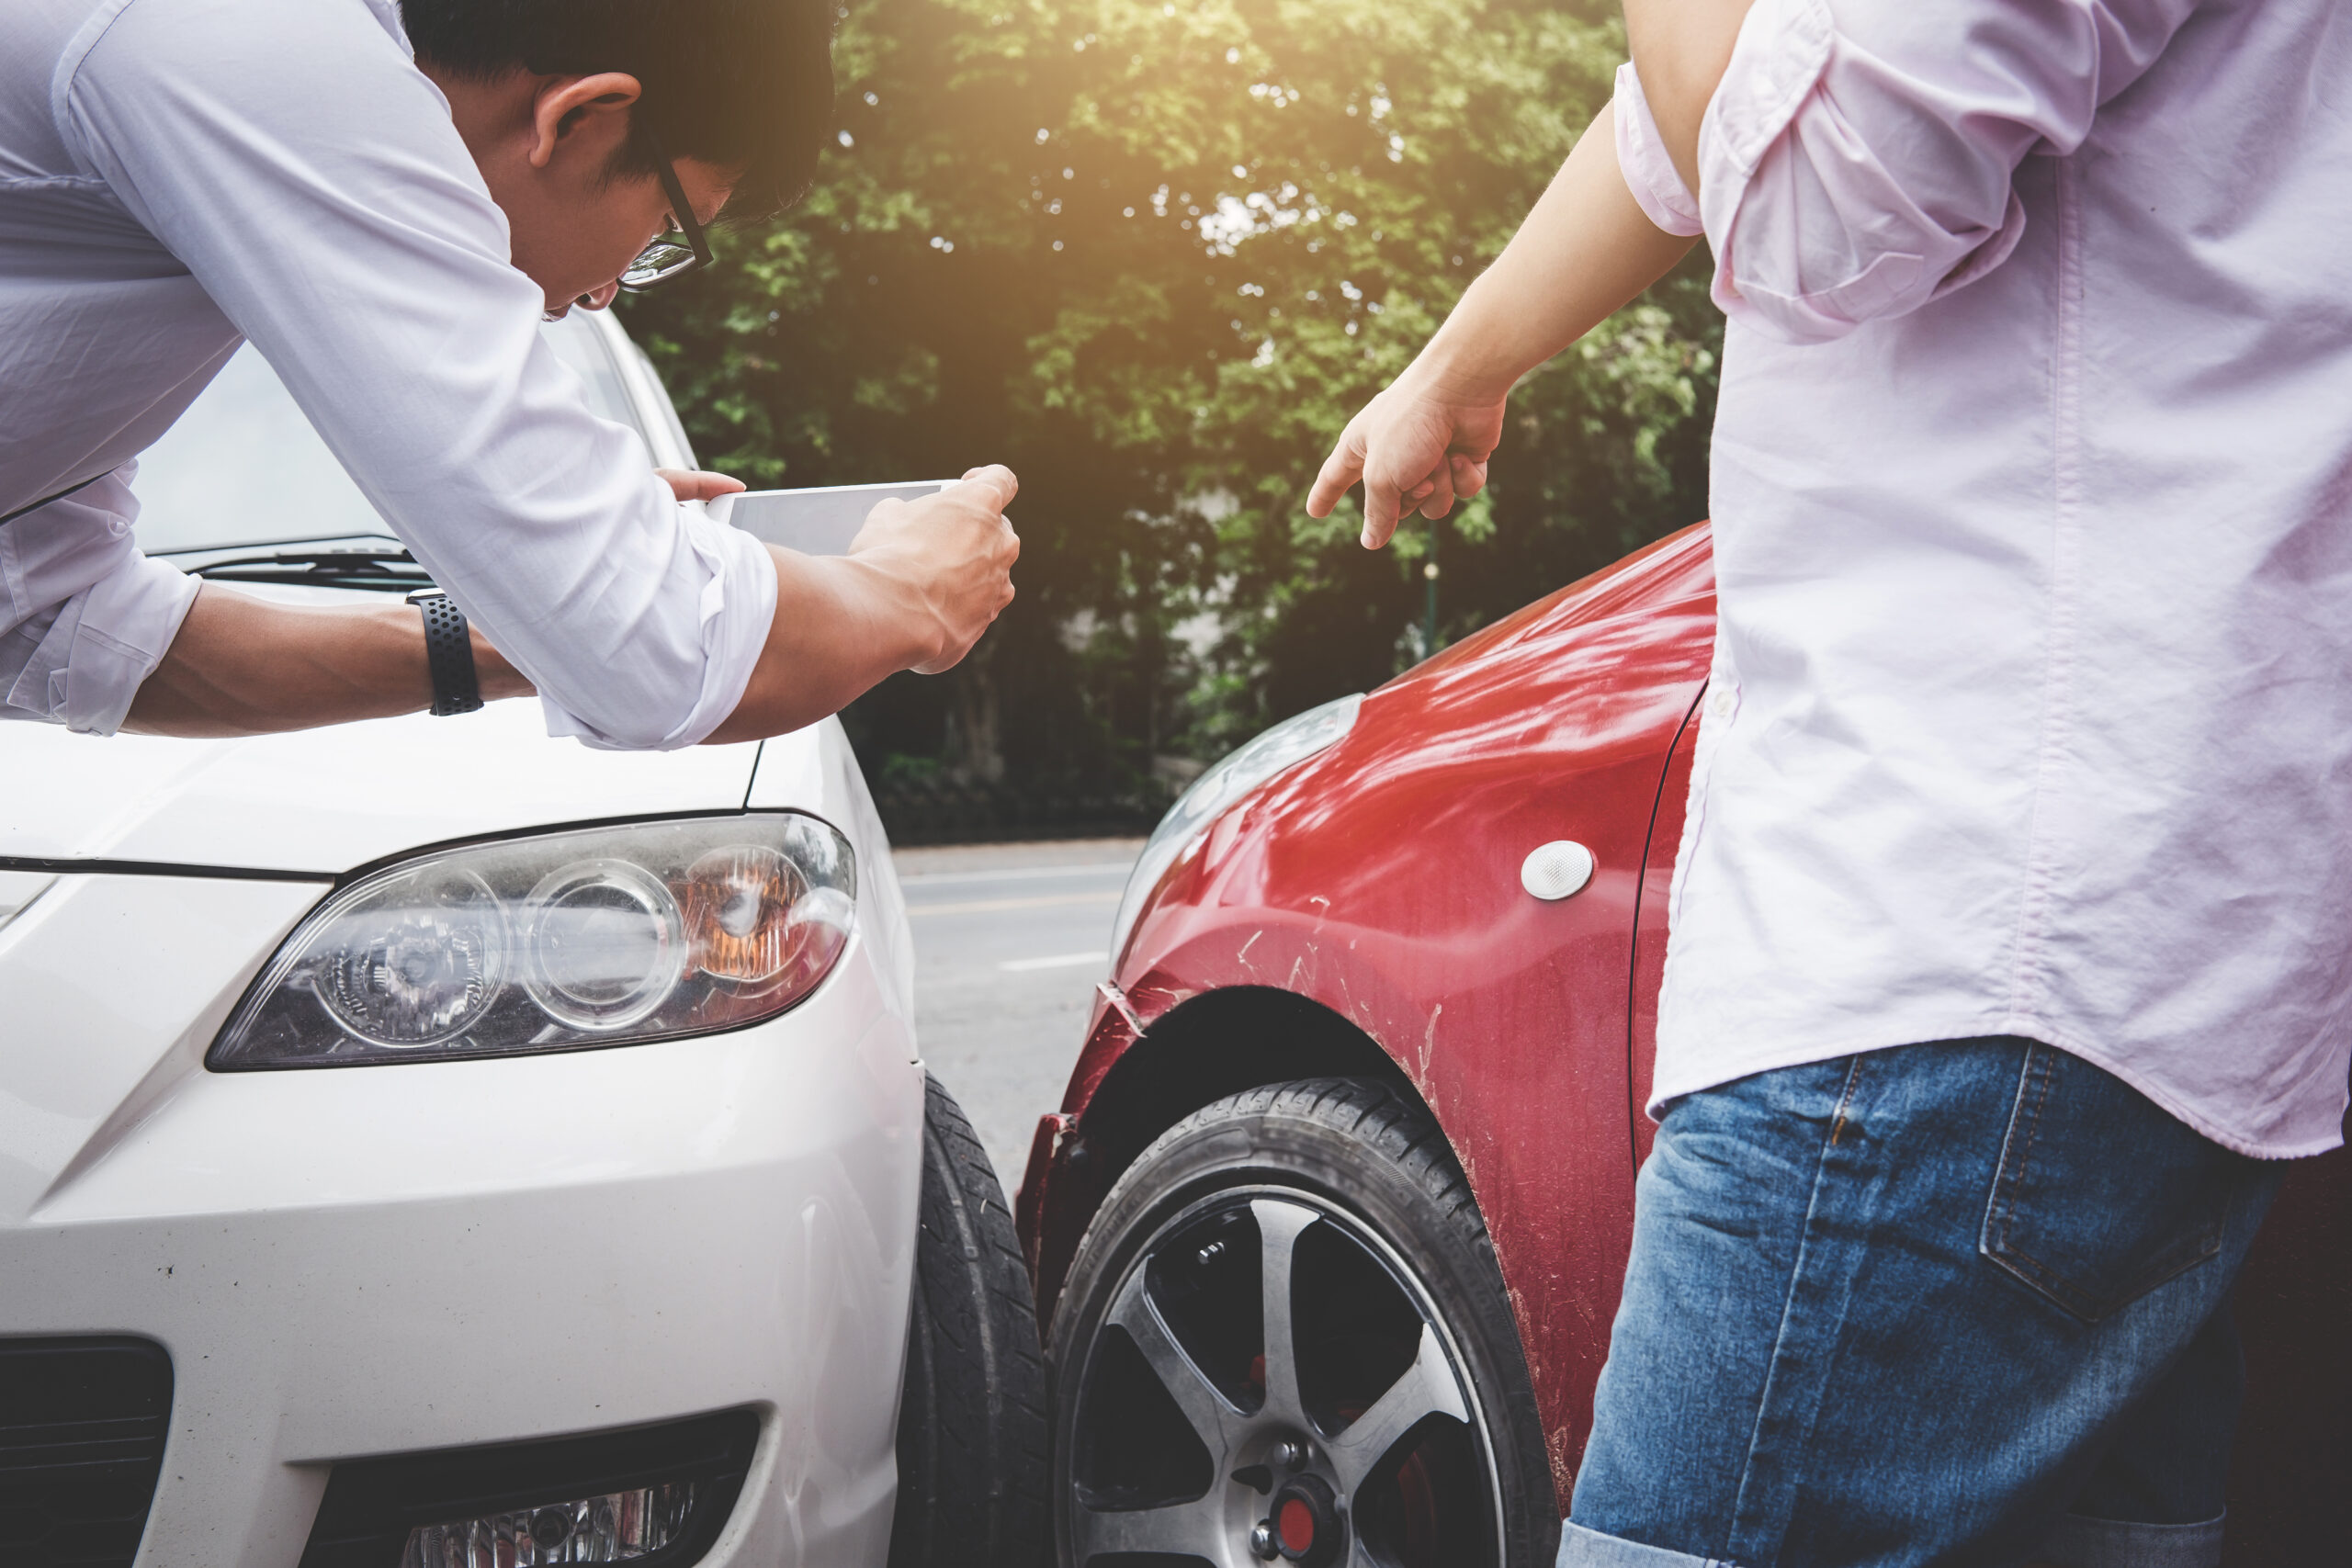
1556,870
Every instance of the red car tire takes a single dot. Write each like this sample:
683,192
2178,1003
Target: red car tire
1394,1424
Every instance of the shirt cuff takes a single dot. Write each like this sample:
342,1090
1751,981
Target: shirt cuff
736,605
104,642
1779,57
1649,173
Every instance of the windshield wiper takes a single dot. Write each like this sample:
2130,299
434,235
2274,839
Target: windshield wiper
375,570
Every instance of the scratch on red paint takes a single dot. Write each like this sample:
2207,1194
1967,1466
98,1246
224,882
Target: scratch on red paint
1169,996
1242,957
1429,1047
1324,913
1519,1315
1564,1473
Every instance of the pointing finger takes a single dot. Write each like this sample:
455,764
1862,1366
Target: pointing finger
1341,470
1381,505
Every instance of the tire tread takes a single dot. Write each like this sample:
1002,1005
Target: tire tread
972,1423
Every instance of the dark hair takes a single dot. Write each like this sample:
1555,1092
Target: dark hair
746,84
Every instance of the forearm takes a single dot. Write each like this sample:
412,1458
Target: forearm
1583,252
1680,48
247,666
840,628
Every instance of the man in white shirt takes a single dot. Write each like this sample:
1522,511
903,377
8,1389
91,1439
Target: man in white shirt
384,199
2011,941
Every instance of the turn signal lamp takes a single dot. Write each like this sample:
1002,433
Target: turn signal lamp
604,936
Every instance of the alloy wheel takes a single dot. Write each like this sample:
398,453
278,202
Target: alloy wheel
1270,1383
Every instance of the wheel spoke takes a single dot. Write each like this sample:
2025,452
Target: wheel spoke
1196,1526
1204,1409
1425,1388
1279,1225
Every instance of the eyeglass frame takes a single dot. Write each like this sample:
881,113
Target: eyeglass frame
681,215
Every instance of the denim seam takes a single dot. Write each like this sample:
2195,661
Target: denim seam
2034,1076
1845,1103
1995,1245
1773,1375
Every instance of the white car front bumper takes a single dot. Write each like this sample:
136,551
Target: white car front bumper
375,1260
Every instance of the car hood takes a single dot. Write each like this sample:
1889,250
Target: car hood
329,800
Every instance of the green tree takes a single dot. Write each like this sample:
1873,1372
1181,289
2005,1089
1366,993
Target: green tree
1153,255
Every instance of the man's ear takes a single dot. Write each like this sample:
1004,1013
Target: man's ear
567,108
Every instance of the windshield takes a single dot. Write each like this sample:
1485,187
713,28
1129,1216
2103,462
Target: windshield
243,467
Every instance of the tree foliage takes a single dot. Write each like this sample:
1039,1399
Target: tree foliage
1153,257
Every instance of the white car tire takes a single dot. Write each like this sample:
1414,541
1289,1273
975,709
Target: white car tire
972,1419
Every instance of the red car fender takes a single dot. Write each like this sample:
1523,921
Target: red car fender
1381,880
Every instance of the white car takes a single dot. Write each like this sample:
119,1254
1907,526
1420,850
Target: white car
426,1142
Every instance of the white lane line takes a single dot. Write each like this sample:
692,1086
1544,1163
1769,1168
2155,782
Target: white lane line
990,906
1059,961
1013,873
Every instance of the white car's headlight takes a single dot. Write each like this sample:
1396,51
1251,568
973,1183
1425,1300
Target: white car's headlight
1285,745
601,937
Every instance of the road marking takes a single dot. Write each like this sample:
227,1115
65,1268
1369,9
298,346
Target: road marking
1059,961
1013,873
990,906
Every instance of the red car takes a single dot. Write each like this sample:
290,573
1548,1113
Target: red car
1330,1230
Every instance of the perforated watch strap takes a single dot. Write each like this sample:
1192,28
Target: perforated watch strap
450,652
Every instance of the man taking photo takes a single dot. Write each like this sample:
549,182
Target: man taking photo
385,199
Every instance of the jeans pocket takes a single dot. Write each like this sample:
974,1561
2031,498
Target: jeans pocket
2101,1195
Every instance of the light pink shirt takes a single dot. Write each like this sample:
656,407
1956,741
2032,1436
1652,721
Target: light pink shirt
2031,709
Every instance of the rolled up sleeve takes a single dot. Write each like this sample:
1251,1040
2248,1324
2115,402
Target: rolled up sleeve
293,158
84,619
707,647
1649,173
1856,160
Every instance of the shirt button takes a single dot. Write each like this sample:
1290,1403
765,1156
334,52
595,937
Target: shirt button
1721,701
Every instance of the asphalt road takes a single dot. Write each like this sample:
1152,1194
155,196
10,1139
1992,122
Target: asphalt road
1010,940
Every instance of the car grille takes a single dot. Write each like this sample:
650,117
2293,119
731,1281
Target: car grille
81,1429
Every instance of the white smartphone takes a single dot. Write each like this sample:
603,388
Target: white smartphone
819,521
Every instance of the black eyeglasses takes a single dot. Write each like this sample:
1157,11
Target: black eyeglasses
666,258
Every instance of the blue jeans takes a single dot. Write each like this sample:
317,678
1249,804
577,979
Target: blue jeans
1962,1303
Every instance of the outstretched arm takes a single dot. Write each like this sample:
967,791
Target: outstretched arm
923,581
1583,252
243,665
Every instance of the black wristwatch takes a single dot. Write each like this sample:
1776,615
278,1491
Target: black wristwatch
450,652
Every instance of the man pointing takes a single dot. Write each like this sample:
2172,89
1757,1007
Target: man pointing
385,199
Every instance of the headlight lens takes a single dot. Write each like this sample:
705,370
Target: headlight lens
1285,745
596,938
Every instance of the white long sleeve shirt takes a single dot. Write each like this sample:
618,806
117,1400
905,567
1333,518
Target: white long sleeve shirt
2031,709
179,176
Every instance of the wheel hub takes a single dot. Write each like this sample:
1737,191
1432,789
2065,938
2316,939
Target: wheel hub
1307,1529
